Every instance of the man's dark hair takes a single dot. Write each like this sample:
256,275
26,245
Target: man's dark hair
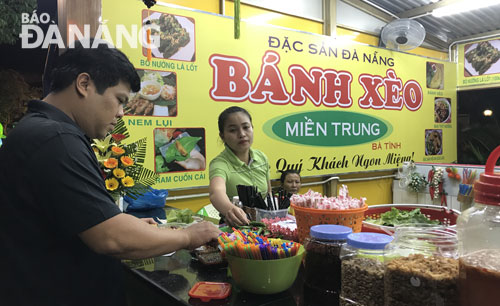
106,65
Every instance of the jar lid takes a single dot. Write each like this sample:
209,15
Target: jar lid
330,231
372,241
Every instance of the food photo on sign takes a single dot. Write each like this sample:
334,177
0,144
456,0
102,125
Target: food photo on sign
434,73
179,149
442,110
172,36
433,142
482,58
157,96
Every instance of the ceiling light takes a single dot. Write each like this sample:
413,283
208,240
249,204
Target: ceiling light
487,112
462,6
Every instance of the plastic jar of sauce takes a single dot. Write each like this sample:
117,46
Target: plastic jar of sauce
479,237
322,262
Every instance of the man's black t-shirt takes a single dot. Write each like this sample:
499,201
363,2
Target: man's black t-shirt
51,189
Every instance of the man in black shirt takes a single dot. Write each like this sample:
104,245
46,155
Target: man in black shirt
61,234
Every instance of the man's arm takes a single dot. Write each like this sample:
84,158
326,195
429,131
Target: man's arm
127,237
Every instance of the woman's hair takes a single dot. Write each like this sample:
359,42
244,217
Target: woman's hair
228,111
286,172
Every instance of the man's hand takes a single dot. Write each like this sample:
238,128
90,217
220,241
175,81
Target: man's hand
201,233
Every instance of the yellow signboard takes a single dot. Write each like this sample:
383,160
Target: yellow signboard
319,105
479,63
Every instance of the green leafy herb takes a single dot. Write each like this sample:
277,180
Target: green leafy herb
187,142
181,216
397,217
161,166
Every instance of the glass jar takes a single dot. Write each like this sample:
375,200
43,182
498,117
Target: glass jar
421,266
479,235
322,262
362,269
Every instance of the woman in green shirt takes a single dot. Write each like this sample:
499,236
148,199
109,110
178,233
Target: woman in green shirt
238,164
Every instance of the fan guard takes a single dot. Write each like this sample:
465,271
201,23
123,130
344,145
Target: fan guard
403,34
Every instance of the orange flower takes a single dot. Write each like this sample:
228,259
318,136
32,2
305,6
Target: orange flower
119,173
111,163
111,184
117,151
128,181
127,161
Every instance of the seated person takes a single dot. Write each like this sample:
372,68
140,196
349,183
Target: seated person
290,181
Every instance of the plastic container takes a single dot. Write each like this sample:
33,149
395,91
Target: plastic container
322,261
426,239
236,201
362,269
479,234
307,217
265,276
421,266
207,291
270,214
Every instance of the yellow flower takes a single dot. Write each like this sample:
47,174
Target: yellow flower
102,158
119,173
128,181
111,184
127,161
117,151
104,144
111,163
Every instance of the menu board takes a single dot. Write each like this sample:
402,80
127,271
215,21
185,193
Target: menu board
319,105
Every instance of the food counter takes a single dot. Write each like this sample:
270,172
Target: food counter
169,278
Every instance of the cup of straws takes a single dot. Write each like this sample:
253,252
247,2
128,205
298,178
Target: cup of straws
466,188
259,264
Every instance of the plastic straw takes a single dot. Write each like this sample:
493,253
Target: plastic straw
251,246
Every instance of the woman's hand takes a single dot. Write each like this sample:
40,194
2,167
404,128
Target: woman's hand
233,215
236,216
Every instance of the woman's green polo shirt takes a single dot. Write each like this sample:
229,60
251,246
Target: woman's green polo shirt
235,172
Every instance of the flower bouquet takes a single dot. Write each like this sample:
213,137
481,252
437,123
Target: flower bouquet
121,164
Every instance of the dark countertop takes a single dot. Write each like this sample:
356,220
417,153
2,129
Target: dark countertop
171,277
